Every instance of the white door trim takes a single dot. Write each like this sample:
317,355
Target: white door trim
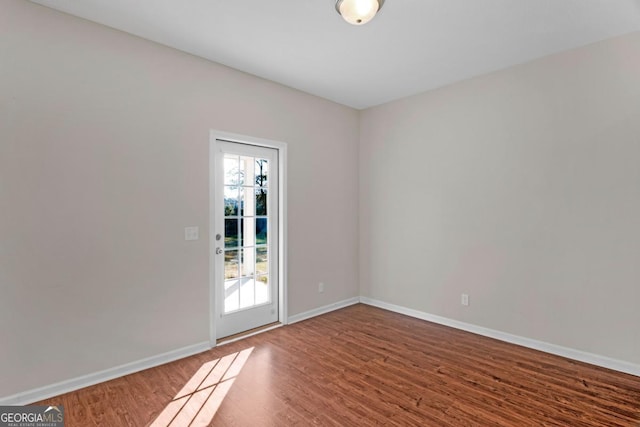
281,147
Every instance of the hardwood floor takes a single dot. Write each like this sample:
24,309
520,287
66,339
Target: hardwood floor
363,366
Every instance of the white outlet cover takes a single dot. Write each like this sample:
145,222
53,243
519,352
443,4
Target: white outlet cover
465,299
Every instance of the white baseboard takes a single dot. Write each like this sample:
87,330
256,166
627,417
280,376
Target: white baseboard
41,393
62,387
569,353
30,396
322,310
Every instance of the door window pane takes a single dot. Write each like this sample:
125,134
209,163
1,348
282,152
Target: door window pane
231,295
248,203
231,233
261,231
247,263
248,238
247,168
247,292
231,201
231,264
262,290
261,201
262,264
262,172
231,170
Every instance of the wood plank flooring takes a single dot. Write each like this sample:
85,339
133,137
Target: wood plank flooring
362,366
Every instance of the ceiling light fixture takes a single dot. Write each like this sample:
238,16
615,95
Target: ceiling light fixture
358,12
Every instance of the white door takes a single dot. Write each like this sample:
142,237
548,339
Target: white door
246,237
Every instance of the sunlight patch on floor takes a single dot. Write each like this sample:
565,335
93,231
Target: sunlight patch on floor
198,401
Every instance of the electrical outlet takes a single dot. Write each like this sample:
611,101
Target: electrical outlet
320,287
464,300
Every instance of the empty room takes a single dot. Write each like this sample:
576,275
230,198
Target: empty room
319,212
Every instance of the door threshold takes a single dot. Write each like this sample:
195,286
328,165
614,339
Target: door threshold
247,334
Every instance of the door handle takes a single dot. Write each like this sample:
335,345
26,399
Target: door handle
218,251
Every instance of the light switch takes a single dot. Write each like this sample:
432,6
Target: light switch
191,233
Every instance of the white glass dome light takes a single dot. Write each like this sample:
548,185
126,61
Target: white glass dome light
358,12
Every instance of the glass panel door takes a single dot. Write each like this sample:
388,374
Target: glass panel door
248,194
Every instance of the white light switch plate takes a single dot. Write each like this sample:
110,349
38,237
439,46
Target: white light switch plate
191,233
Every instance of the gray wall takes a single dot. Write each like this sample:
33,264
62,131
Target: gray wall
104,142
520,188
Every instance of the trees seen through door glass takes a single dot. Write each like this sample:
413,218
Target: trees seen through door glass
246,232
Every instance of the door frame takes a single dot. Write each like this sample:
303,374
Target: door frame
281,148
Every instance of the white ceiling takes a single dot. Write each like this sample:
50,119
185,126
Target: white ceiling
410,47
